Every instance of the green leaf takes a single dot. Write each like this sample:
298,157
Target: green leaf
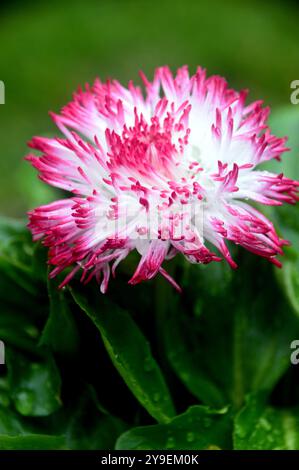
18,250
18,261
15,299
17,330
91,427
35,386
198,428
130,354
16,253
4,393
9,423
286,218
60,320
182,346
32,442
288,278
260,427
229,349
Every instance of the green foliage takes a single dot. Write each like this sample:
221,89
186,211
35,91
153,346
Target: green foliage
208,369
91,426
287,218
198,428
35,386
32,442
241,330
261,427
60,332
131,355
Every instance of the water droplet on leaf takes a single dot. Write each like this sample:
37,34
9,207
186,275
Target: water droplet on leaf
25,402
190,436
170,443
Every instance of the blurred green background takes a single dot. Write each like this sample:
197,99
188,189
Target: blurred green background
48,48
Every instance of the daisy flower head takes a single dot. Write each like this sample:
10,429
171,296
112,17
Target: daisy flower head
162,170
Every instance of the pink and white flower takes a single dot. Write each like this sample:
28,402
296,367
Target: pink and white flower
162,173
